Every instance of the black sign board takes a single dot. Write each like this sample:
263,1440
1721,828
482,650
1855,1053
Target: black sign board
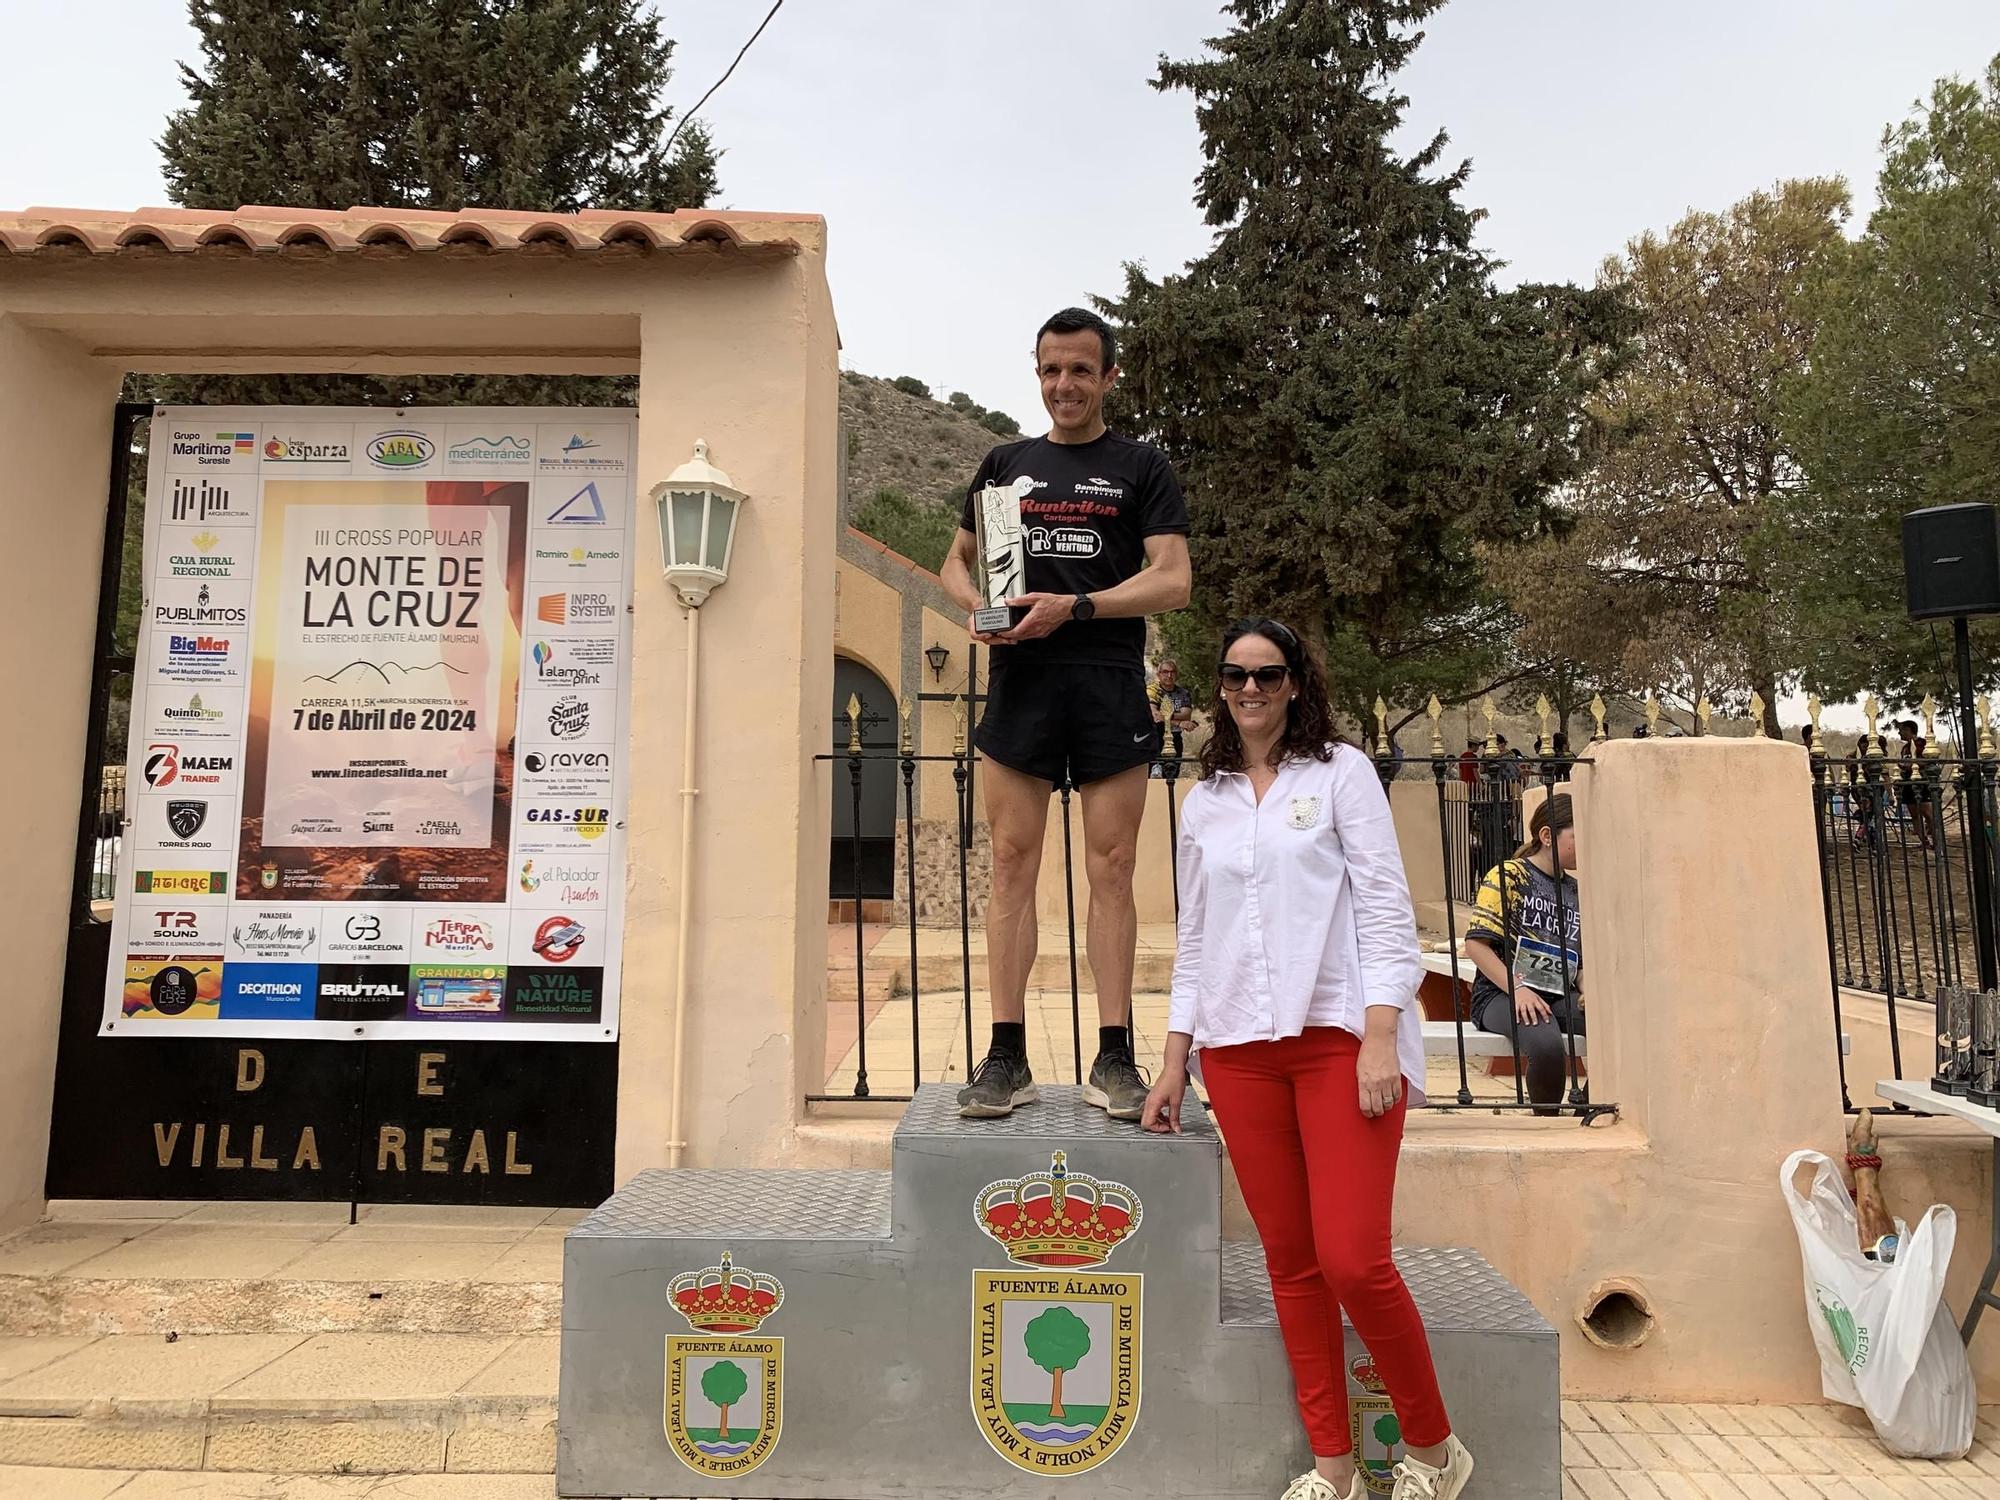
449,1121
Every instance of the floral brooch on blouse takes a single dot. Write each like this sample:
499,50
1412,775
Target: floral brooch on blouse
1304,813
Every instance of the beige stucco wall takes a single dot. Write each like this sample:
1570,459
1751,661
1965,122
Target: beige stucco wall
55,426
738,348
1710,1029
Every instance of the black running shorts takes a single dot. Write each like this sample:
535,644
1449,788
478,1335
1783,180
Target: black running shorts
1049,719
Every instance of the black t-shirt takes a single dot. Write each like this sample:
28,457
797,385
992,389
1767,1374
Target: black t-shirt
1087,519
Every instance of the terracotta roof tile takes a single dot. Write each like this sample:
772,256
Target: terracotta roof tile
268,229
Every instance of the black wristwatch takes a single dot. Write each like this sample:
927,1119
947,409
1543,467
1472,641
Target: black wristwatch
1083,609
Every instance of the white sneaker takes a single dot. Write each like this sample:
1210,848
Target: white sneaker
1416,1480
1312,1486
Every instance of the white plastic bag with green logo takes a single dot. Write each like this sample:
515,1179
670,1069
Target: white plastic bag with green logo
1886,1340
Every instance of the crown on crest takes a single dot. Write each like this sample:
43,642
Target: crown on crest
722,1299
1057,1217
1367,1376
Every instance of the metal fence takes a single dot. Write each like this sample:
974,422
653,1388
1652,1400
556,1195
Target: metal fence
1479,825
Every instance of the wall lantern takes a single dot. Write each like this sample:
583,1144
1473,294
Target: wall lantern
698,511
937,656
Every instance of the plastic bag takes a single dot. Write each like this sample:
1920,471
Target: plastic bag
1886,1340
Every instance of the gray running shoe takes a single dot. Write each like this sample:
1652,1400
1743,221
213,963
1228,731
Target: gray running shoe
1116,1086
1000,1082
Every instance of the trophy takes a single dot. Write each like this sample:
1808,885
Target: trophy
1003,555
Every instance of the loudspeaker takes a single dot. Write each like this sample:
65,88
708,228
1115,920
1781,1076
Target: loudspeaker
1951,561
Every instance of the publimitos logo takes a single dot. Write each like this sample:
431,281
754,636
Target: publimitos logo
1056,1364
725,1388
401,449
206,606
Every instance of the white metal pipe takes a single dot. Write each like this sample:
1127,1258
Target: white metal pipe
677,1141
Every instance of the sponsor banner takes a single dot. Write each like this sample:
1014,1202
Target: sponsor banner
175,924
599,448
366,934
180,987
564,771
576,609
209,554
401,448
556,938
458,992
179,883
577,661
199,604
573,993
497,448
269,991
210,504
205,444
568,507
275,934
563,876
362,992
378,703
474,934
188,829
176,714
596,557
193,657
305,448
567,718
555,827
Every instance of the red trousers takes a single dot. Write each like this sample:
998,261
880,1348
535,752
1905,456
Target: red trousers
1319,1177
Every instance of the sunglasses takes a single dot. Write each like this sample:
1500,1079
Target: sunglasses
1234,678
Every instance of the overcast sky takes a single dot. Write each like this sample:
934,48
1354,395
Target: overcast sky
982,163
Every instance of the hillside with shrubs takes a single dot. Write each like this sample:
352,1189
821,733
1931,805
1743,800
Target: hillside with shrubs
910,454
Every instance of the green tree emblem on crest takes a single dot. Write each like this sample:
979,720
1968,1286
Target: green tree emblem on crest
1057,1340
724,1384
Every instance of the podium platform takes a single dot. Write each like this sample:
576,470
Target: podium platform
1032,1306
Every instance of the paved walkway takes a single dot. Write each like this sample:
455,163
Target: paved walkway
1612,1451
1643,1451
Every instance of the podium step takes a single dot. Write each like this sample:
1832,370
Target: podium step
994,1317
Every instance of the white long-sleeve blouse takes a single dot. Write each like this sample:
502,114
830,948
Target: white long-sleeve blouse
1295,911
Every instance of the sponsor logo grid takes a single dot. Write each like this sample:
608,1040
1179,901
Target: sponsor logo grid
194,949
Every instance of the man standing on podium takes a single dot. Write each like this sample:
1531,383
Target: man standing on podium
1106,529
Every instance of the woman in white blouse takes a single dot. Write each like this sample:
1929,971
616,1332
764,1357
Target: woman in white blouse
1296,983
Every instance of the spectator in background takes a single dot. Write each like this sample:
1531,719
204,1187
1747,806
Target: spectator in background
1173,712
1468,763
1912,790
1525,937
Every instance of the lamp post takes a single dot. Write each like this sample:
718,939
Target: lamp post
698,510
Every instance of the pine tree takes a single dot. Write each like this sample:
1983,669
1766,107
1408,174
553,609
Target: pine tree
547,105
1352,405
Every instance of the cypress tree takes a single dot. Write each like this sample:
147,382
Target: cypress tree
547,105
1354,407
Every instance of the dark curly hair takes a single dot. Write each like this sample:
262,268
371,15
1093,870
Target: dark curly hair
1309,727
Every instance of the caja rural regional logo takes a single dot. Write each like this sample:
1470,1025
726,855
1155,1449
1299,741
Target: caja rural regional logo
1056,1364
725,1387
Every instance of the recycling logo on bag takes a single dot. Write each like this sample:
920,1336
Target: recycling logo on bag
1851,1338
